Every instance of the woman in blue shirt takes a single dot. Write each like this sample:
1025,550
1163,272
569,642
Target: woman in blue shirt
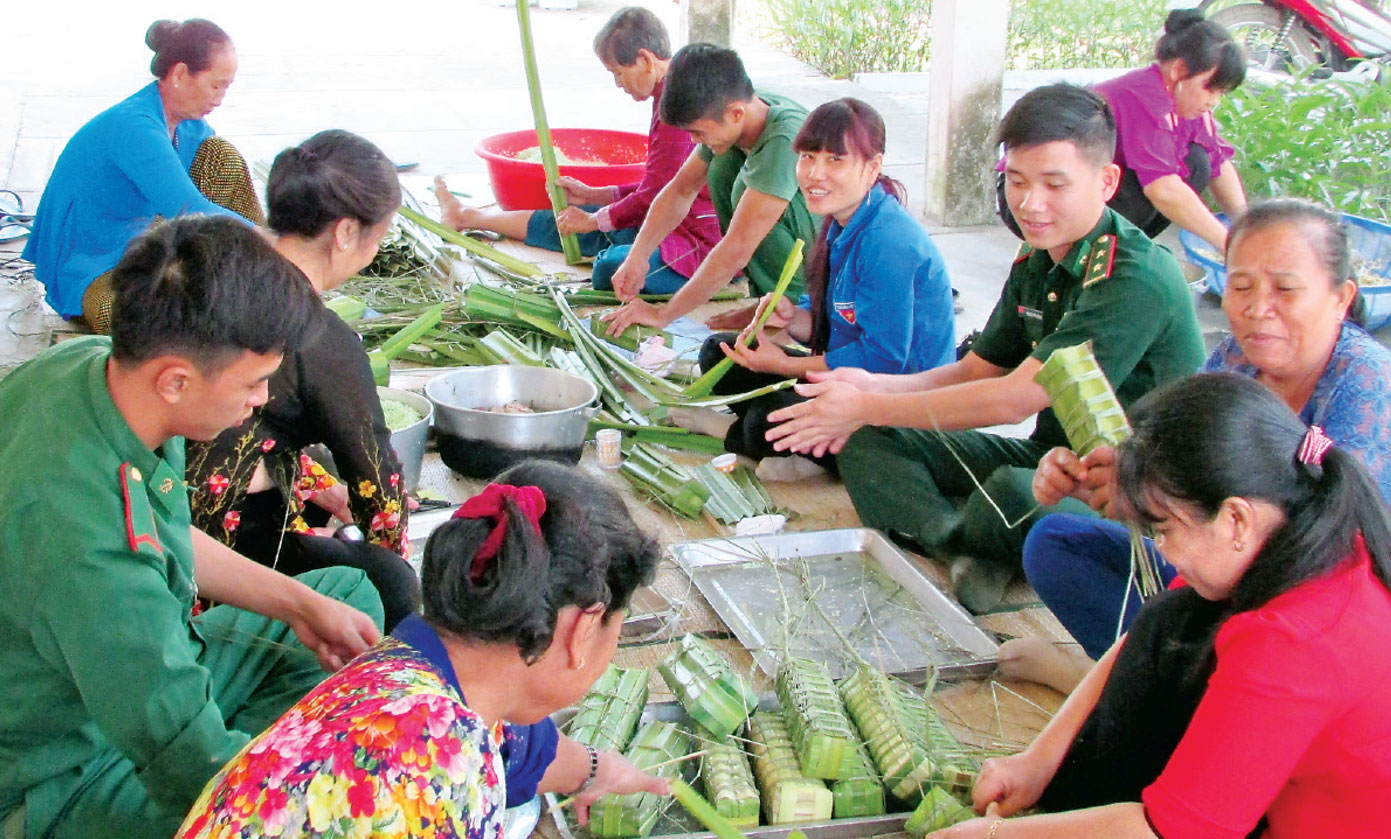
878,296
1288,292
149,156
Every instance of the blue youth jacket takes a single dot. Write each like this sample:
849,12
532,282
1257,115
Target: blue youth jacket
889,297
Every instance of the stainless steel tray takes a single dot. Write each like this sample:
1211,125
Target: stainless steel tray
676,823
815,592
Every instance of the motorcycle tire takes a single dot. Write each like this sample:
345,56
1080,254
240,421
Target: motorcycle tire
1256,27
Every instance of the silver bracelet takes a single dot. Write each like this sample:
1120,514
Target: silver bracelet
593,771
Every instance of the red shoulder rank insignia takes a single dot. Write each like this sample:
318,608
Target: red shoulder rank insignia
1102,260
140,519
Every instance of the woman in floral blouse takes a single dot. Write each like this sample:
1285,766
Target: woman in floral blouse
443,724
331,200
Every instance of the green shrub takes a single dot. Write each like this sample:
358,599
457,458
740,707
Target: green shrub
1052,34
842,37
1328,141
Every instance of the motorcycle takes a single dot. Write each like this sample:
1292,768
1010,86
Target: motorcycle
1341,38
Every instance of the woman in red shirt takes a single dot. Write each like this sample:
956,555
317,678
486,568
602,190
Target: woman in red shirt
1257,697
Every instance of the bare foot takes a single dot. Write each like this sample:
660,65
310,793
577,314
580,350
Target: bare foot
787,469
705,421
1037,660
453,213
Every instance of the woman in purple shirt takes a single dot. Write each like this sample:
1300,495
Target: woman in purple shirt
634,47
1167,143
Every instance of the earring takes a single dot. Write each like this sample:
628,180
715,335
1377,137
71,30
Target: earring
1238,545
581,667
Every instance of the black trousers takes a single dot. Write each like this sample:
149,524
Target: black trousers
1130,200
261,537
746,435
1158,680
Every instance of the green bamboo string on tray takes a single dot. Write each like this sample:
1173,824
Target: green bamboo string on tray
702,387
568,241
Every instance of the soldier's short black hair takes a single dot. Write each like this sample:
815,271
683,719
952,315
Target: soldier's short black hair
208,288
631,29
1061,112
703,80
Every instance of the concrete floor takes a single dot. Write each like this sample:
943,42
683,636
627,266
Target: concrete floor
425,83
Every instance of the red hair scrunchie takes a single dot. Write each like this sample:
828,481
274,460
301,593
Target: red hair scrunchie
488,504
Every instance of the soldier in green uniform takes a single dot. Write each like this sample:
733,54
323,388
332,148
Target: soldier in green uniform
117,704
745,156
1084,274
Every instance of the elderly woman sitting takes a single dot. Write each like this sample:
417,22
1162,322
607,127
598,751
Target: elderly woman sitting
150,155
444,722
1288,292
1254,697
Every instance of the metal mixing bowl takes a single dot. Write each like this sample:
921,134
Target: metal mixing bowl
482,442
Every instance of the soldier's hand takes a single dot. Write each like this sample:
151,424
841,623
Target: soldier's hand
820,425
335,631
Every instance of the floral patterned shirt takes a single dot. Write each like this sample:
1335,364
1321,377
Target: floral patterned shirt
384,748
322,393
1351,401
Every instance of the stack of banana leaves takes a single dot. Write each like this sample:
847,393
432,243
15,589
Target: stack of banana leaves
418,307
815,751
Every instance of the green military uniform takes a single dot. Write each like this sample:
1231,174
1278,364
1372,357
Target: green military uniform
769,167
1115,288
116,704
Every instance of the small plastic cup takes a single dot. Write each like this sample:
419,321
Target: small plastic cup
608,443
725,462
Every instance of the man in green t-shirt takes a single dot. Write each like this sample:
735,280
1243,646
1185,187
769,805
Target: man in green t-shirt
745,156
906,453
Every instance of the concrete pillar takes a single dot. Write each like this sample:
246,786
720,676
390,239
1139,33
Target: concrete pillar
969,40
710,21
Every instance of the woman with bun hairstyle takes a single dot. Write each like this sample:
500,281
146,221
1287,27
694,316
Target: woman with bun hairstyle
151,155
1251,698
1168,146
446,721
331,199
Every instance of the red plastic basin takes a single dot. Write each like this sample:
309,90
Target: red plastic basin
521,184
